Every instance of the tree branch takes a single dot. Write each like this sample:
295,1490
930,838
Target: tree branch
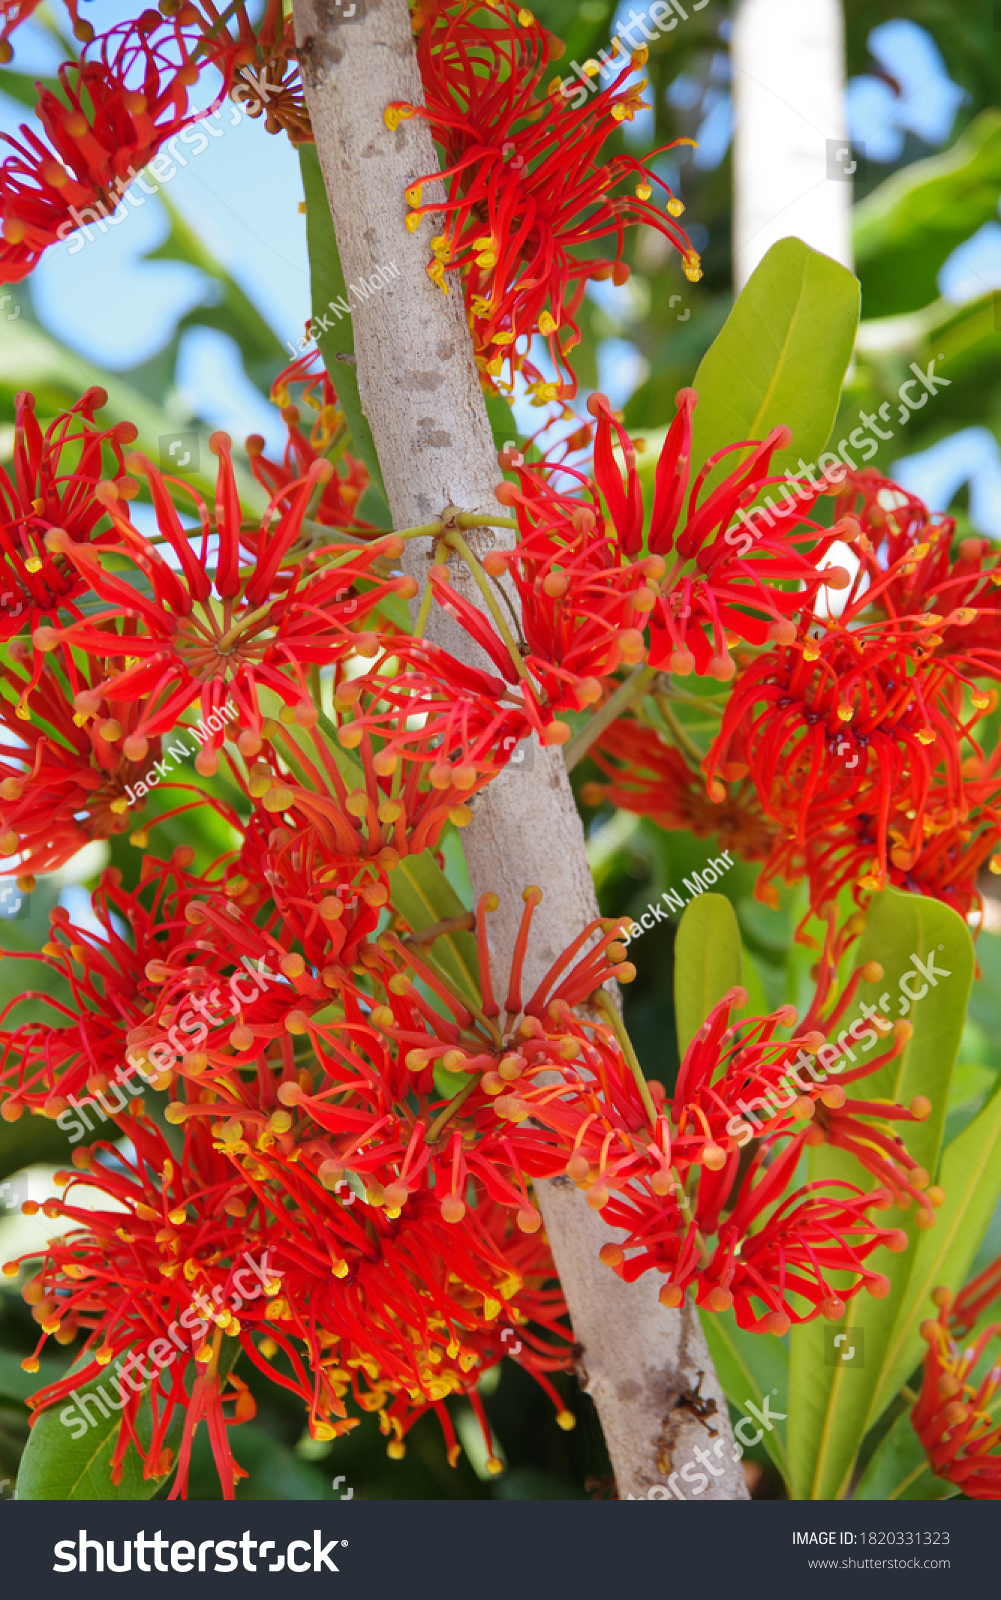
421,394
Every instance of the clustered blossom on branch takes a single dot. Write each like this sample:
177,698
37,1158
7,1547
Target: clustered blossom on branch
653,779
367,1117
860,734
525,183
395,1215
123,101
953,1415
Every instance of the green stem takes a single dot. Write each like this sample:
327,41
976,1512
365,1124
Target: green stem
474,519
461,519
455,1104
425,610
613,708
678,733
603,1002
457,542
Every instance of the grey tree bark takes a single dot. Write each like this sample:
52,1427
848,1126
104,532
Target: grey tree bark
422,396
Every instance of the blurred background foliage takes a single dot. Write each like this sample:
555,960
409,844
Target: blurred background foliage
189,314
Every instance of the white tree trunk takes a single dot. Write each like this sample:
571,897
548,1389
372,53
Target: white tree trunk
791,162
421,394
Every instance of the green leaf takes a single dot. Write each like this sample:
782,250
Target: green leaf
707,962
57,1466
971,1178
899,1469
780,359
329,286
235,314
905,230
836,1405
16,1384
749,1366
422,894
22,86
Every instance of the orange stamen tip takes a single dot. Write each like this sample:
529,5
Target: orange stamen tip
719,1299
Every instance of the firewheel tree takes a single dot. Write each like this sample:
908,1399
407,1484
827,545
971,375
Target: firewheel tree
371,1116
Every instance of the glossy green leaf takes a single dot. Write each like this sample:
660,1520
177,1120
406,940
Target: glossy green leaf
899,1469
707,962
234,313
328,287
16,1384
781,358
57,1466
905,229
836,1404
971,1177
422,894
750,1366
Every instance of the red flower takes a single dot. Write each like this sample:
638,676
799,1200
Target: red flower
749,577
589,579
261,56
42,1064
953,1417
525,184
326,438
65,779
55,474
908,568
652,779
853,737
121,108
446,725
195,635
14,12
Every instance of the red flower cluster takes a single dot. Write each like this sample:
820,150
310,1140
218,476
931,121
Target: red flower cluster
525,182
121,106
859,735
952,1417
590,582
652,779
55,474
318,1086
670,1172
326,439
